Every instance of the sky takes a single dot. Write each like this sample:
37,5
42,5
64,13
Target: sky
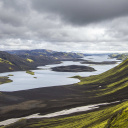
64,25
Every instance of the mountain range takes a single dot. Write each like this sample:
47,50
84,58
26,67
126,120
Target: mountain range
20,60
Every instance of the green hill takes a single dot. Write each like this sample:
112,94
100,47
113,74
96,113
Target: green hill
109,82
10,62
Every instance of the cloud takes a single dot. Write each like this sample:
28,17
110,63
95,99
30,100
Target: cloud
83,11
64,24
12,12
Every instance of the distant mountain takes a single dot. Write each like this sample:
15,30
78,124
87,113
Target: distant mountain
67,55
118,56
44,53
31,52
96,54
17,60
13,62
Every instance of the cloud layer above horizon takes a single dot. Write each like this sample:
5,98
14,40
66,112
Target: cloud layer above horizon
64,25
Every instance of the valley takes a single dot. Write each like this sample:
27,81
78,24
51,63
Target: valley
63,64
23,60
105,85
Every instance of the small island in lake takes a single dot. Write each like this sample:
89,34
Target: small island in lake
10,75
30,72
73,68
99,63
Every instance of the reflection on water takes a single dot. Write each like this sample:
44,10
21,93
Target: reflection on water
46,77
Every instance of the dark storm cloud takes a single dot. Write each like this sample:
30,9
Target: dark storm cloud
83,11
64,24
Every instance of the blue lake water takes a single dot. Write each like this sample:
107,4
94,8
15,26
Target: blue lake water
46,77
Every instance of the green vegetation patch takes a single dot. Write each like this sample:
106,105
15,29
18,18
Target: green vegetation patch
5,61
56,58
30,72
30,60
4,80
10,75
119,119
10,68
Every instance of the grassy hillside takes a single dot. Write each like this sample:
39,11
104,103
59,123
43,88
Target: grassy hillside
10,62
108,82
112,85
41,57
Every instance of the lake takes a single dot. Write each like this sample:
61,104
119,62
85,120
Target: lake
46,77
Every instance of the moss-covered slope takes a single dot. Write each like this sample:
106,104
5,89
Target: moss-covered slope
108,82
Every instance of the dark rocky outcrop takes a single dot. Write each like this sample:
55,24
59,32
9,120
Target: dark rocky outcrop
73,68
99,63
